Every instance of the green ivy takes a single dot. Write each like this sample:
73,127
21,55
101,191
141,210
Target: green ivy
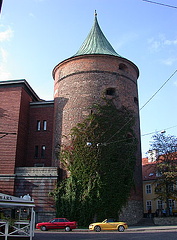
100,173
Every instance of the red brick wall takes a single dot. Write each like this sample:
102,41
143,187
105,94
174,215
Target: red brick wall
10,99
82,81
7,185
40,112
23,129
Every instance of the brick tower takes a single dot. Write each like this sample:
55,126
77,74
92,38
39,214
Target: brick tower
96,70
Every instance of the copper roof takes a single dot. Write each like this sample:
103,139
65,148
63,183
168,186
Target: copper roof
96,42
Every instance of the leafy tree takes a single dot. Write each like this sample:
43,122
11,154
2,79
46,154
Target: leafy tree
100,172
166,167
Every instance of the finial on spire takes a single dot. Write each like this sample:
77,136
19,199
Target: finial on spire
95,13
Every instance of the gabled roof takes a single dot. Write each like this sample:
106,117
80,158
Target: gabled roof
96,42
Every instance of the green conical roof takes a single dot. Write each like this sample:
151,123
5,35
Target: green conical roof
96,42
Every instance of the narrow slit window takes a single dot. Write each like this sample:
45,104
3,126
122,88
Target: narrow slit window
38,127
43,150
136,100
36,152
44,125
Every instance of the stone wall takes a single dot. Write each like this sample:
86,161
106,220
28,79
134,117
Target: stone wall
132,212
165,221
38,182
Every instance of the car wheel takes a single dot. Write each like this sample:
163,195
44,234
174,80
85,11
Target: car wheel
97,228
43,228
121,228
67,229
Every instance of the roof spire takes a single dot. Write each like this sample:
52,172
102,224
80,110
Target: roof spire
95,13
96,42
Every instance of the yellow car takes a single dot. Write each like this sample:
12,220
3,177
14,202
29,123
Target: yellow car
108,224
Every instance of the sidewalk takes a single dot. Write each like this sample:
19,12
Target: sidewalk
151,228
139,228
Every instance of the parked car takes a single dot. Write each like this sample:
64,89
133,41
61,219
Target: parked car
57,223
108,224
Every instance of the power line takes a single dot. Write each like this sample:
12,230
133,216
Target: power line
157,131
162,4
158,90
143,105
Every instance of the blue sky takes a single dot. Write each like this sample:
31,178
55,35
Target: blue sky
35,35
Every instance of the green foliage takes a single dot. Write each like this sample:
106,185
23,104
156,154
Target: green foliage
100,173
166,167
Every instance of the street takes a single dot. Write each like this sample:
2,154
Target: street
135,235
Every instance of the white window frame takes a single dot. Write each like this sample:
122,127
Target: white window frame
148,188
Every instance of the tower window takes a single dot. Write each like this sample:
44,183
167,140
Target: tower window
136,100
123,67
110,91
36,152
38,127
43,149
44,125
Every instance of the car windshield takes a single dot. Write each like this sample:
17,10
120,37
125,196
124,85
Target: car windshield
59,220
105,221
109,220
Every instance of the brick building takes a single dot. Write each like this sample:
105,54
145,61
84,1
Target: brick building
31,129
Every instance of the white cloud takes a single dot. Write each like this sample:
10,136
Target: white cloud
169,61
156,44
6,35
31,15
3,55
4,74
170,42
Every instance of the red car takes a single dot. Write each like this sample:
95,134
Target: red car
57,223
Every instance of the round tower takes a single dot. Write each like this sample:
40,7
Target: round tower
96,70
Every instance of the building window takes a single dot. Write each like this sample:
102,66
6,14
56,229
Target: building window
148,205
158,188
43,149
44,125
171,187
36,152
122,66
136,100
171,203
110,91
148,188
38,127
159,204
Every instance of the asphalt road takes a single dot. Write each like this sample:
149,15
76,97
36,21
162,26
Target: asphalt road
136,235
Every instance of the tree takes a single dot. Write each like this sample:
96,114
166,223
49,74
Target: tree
101,172
166,167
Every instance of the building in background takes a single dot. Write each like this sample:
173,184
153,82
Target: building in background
152,204
32,129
